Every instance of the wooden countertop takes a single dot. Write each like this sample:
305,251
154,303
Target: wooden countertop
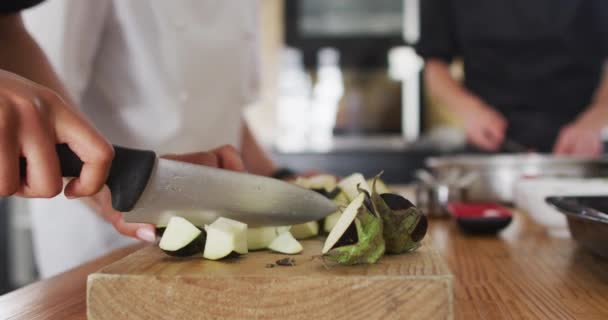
521,274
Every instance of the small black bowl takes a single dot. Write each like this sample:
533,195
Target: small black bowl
480,218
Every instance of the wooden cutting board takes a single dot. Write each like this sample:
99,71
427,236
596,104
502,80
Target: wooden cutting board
150,285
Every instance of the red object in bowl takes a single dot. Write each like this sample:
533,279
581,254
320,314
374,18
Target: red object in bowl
480,218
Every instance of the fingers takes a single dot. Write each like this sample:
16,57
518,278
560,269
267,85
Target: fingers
563,145
486,129
229,158
225,157
202,158
578,141
88,144
43,177
101,203
9,151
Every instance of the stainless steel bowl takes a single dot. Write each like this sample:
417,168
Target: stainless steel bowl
587,220
497,174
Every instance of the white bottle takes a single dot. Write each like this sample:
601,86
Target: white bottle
327,93
293,103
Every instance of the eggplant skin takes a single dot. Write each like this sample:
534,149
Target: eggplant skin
396,202
404,225
196,246
160,231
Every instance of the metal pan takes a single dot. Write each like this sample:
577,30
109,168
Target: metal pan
497,174
587,220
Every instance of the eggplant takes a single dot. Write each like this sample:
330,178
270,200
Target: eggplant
286,243
182,239
404,225
357,236
225,237
305,230
351,185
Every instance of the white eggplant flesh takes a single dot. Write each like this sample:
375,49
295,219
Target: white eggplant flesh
178,234
351,185
260,238
182,238
345,220
225,236
286,243
305,230
330,221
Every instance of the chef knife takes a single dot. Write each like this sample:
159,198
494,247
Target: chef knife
151,190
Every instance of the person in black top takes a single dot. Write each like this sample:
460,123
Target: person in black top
533,70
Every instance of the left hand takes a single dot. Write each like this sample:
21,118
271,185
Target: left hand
225,157
581,138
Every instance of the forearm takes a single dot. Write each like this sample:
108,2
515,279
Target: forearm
20,54
446,90
256,159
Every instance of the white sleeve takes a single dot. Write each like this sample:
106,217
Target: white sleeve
69,32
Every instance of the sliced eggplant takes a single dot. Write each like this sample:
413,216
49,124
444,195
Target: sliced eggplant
286,243
225,237
182,239
357,236
261,237
305,230
404,225
342,201
330,221
351,185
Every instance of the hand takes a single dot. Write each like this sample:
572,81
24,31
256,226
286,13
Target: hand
485,127
225,157
32,120
581,138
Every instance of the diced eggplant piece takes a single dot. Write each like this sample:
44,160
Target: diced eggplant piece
286,243
225,236
261,237
305,230
182,239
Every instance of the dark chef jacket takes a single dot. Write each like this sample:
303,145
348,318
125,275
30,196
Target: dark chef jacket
11,6
538,62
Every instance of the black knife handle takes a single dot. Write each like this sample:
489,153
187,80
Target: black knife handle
128,177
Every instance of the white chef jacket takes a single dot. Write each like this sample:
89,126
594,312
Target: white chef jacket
170,76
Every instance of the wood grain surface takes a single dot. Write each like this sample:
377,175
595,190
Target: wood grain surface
150,285
61,297
520,274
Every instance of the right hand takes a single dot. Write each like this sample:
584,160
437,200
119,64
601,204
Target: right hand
485,127
33,119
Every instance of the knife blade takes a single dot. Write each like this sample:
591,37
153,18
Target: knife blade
151,190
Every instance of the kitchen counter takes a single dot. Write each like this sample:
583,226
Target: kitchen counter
521,274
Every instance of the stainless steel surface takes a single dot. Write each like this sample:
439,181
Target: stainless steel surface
588,226
201,194
433,199
497,174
